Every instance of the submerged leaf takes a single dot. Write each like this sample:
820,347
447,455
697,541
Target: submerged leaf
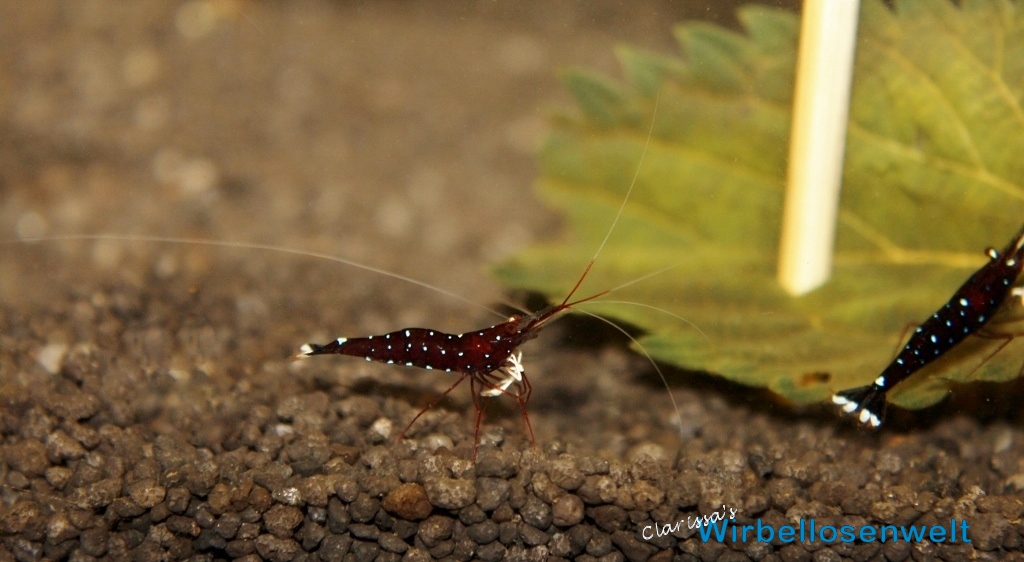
932,177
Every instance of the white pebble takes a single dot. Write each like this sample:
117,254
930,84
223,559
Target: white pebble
381,428
435,441
290,495
51,356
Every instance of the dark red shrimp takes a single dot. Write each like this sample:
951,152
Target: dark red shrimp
476,355
968,310
479,356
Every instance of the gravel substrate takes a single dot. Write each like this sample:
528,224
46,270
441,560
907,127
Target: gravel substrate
148,410
109,453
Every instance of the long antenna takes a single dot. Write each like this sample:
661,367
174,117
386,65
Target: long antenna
256,246
632,184
622,206
661,375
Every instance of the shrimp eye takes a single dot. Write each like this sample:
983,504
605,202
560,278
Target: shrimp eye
512,326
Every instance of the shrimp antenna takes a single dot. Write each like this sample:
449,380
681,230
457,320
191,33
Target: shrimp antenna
258,246
664,380
622,206
663,311
632,184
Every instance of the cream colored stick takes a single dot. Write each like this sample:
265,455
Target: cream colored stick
828,35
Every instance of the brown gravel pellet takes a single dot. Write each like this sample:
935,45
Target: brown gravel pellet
408,501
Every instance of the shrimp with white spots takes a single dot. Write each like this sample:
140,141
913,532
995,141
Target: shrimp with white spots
966,312
488,357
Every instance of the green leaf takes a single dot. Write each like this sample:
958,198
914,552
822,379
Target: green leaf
932,177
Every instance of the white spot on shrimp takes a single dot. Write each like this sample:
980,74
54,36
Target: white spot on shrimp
341,340
408,364
390,362
306,349
407,333
964,302
461,354
428,367
880,381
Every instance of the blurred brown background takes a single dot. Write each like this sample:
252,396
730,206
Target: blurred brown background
397,133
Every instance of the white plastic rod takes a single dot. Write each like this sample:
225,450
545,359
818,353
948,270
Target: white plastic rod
828,34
